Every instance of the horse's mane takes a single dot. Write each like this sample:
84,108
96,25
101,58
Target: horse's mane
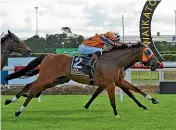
131,45
4,38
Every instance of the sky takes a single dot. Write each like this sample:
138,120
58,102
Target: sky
85,17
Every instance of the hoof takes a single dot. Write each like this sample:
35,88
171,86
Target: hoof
7,102
154,101
86,107
17,113
117,116
145,108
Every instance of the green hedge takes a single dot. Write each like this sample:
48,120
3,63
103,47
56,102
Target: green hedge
167,52
169,57
32,55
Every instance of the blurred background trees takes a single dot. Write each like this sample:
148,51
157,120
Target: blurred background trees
66,39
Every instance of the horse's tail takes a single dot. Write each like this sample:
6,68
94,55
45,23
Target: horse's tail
32,72
27,70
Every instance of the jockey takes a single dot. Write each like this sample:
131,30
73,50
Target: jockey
97,44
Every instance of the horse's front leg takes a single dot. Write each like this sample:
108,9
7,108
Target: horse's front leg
127,91
130,94
125,84
96,93
111,93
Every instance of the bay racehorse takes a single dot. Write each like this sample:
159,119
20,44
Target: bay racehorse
11,43
33,68
109,72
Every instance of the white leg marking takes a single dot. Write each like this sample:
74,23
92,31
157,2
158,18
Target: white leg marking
39,99
22,108
148,97
14,99
117,116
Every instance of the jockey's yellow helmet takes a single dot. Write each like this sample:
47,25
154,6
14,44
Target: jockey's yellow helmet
110,35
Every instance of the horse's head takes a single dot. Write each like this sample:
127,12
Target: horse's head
16,45
149,59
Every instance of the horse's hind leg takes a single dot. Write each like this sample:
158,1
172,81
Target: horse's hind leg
36,88
24,90
130,94
125,84
60,80
37,95
96,93
22,108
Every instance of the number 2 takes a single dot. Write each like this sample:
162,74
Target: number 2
76,64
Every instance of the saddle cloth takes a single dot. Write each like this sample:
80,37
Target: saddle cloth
78,66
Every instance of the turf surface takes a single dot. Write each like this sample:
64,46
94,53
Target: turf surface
67,113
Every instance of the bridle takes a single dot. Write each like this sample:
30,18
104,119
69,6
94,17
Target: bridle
147,54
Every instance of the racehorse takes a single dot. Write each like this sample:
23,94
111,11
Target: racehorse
11,43
109,72
33,68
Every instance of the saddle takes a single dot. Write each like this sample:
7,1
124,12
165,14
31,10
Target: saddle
79,66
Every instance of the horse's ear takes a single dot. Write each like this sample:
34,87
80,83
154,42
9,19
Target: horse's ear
9,33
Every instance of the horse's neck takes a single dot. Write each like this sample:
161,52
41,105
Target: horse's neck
4,57
127,57
6,46
5,52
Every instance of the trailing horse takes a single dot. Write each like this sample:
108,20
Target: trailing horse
109,72
11,43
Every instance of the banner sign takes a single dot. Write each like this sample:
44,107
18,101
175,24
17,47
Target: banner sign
69,51
145,25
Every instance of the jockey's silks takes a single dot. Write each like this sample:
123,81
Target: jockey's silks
97,41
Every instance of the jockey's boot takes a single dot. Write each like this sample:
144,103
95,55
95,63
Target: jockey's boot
90,65
93,58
